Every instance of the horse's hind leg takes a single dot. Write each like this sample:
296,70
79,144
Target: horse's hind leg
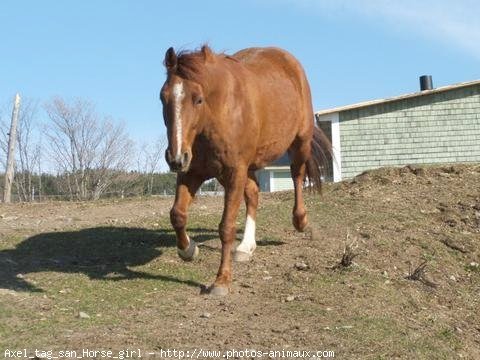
187,186
246,248
299,153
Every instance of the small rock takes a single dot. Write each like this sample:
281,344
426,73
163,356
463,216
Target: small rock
344,327
290,298
453,278
83,315
205,315
301,266
387,282
474,264
10,218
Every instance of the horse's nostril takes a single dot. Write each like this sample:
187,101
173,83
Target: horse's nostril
185,158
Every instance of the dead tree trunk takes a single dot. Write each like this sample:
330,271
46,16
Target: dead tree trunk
9,173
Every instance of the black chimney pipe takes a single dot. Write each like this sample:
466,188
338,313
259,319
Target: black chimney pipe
426,82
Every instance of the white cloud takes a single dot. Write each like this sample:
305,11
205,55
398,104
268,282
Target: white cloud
453,23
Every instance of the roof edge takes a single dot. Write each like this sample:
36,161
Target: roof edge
396,98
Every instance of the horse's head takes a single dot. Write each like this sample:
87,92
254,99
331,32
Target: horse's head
182,97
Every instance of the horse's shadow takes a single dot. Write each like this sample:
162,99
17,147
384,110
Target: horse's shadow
99,253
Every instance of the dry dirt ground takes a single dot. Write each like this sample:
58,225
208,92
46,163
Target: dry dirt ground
105,275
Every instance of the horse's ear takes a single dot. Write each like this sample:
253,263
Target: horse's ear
170,61
208,53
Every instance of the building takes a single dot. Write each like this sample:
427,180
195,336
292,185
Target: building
439,125
276,177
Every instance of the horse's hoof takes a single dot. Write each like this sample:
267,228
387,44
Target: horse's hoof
189,253
300,222
217,290
241,256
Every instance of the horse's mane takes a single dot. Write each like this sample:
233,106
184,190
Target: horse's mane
191,63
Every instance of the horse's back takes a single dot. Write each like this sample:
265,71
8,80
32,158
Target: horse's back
272,62
282,97
258,57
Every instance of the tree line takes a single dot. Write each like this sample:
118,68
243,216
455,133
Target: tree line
77,154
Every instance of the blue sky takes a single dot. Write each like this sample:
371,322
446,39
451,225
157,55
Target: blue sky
111,52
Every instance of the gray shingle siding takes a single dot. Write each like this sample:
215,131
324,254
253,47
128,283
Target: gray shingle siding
441,127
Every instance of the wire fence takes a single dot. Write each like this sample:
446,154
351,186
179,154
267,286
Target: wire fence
38,198
66,197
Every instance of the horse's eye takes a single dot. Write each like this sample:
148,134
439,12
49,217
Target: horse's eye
197,100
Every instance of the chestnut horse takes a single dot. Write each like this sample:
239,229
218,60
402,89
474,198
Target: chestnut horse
227,116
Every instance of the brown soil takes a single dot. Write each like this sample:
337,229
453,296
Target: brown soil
409,289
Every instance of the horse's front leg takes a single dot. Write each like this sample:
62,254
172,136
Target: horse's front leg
234,187
187,186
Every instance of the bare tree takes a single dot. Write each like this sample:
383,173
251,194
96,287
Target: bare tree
150,157
87,150
112,158
28,151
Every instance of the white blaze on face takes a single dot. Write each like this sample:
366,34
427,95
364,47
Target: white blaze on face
178,95
248,243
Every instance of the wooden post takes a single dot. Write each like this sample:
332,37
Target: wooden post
11,151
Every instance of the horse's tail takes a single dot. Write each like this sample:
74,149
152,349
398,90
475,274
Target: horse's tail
319,161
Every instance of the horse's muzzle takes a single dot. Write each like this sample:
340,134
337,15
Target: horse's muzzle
179,163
